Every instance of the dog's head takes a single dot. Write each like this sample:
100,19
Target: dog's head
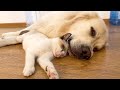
88,33
60,45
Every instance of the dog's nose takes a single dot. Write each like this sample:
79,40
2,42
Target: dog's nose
85,52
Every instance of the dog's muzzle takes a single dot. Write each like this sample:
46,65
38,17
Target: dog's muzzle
81,52
85,52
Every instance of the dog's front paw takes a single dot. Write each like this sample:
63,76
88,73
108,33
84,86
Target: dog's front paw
5,35
19,38
28,71
52,74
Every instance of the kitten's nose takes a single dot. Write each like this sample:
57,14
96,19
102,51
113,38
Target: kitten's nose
60,54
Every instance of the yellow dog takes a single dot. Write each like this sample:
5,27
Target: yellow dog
88,30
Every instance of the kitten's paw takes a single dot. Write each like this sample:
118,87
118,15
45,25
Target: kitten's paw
52,73
28,71
60,54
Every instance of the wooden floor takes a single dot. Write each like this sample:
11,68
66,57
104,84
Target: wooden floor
105,64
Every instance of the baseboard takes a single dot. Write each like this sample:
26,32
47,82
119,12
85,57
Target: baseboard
13,25
106,21
23,25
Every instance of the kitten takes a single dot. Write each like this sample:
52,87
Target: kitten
45,49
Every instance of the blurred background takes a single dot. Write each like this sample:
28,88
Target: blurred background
26,18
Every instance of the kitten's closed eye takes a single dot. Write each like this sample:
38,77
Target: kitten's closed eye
62,47
69,40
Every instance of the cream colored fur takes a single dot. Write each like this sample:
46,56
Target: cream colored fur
77,23
45,49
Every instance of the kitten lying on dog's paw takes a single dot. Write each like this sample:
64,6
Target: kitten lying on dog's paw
38,45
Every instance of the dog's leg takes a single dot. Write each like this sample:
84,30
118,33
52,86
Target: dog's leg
8,41
29,64
45,62
21,37
17,33
10,34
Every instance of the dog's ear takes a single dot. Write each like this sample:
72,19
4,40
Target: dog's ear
66,36
93,32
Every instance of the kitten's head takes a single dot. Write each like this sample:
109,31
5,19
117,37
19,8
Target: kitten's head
60,45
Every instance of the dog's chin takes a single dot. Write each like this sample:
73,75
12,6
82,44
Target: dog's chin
78,56
70,53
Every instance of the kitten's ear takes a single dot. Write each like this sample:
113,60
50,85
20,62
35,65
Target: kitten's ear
66,36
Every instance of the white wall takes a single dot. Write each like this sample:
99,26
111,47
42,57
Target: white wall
104,14
31,16
12,17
